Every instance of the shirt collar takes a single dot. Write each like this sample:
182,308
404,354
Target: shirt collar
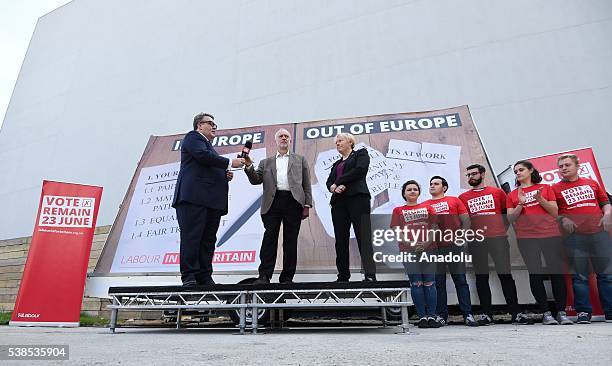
278,154
206,138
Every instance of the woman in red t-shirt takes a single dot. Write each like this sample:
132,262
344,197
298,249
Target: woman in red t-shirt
532,208
418,218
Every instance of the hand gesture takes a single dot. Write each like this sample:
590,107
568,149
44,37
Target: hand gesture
305,213
229,175
332,188
340,189
237,163
247,161
538,195
521,196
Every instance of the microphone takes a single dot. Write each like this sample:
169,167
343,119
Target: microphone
246,149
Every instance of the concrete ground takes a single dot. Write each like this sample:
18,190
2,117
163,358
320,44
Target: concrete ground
452,345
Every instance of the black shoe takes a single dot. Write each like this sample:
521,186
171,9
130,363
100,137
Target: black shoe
485,320
432,323
262,280
284,281
470,321
190,283
520,319
207,282
423,323
609,318
583,318
342,280
369,278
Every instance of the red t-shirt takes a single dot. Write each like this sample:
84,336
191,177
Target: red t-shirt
485,207
417,217
580,201
534,221
447,210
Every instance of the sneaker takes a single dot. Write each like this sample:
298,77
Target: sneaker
423,323
440,320
432,323
470,321
583,318
608,318
548,319
520,319
563,319
485,320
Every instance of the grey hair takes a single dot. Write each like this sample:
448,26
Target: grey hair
199,117
279,130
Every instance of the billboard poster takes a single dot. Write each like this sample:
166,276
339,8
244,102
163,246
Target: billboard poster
417,145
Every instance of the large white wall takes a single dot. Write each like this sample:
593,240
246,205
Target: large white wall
101,76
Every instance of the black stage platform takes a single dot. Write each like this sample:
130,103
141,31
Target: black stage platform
251,298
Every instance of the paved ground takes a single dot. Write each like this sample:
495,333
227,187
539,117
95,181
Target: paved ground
452,345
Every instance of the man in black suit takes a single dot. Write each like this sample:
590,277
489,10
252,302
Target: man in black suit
200,199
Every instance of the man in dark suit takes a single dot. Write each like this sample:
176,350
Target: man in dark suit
200,199
287,198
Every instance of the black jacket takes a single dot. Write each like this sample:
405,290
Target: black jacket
354,175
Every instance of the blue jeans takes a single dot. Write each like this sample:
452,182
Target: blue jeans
457,271
596,248
423,296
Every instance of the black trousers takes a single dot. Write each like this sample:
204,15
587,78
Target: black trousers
286,210
198,225
353,210
499,249
532,250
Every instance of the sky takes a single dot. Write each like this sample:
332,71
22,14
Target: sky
17,22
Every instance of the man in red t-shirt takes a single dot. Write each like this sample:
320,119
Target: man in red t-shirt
486,206
452,216
586,217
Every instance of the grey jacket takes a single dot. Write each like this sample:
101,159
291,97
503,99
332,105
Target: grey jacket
298,175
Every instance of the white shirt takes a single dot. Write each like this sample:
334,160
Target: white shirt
282,165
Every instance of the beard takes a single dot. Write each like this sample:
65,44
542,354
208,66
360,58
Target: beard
475,182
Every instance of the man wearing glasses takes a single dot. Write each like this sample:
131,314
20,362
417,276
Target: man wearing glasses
200,199
486,207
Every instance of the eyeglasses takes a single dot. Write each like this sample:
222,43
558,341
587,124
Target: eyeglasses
214,125
472,174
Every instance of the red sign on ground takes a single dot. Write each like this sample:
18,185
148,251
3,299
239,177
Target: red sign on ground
51,289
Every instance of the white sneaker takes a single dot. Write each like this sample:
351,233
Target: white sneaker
548,319
563,319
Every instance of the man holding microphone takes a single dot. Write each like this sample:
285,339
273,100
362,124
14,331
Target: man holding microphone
200,199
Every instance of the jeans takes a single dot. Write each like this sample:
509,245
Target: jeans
457,271
596,248
422,287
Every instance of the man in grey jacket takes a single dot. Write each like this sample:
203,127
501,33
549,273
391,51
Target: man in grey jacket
287,197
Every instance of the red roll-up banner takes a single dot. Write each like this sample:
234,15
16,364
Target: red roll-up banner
547,165
53,281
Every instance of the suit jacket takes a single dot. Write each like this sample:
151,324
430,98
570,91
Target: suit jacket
298,175
354,175
202,178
